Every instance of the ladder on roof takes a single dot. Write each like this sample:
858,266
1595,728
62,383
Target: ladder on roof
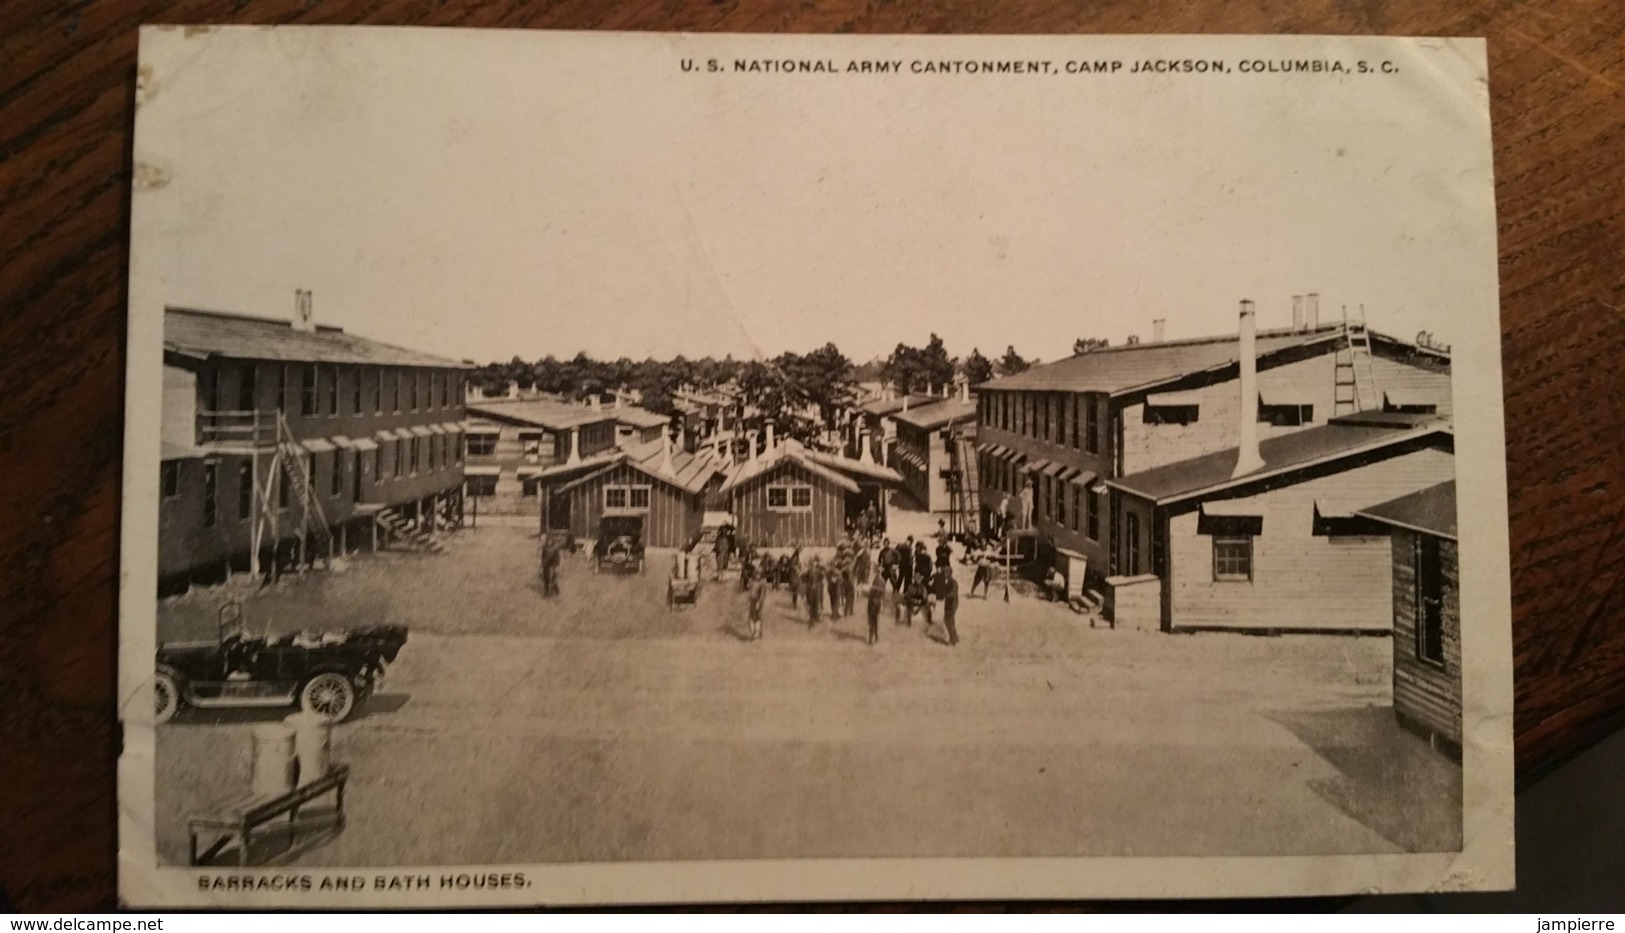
970,484
1355,377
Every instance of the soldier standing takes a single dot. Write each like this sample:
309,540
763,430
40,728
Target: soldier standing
790,573
758,593
837,592
877,598
948,592
813,582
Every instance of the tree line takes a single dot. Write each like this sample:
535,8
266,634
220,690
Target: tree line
810,387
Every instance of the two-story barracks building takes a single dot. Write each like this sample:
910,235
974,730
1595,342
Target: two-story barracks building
1049,438
281,439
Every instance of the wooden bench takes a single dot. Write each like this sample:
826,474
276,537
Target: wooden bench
238,819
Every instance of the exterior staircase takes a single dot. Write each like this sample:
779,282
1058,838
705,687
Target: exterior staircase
402,534
313,521
970,484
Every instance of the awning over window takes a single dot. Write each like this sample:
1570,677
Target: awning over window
453,427
1281,396
1084,478
342,442
1410,398
421,430
364,443
1232,507
481,428
482,470
1039,465
1173,399
437,429
1053,469
316,445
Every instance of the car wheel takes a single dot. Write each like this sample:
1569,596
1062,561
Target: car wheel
167,696
330,696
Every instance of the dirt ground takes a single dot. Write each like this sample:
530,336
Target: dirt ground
601,727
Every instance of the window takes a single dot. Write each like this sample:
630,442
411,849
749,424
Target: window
530,445
1233,557
1286,416
457,447
1077,494
1093,503
355,401
1159,547
378,465
211,484
482,487
414,450
336,484
789,498
284,480
415,380
310,474
377,390
245,491
482,445
1429,600
626,498
1171,414
1059,492
333,394
395,392
170,479
434,453
1091,425
529,487
1131,544
307,389
247,388
209,389
400,457
282,388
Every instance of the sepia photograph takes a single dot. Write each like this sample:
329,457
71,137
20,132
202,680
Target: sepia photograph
614,468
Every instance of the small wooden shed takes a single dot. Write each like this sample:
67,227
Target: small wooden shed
1427,612
663,486
790,495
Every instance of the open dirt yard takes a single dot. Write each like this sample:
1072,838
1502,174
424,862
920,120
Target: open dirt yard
601,727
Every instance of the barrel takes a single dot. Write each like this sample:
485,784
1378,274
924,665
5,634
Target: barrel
313,745
274,760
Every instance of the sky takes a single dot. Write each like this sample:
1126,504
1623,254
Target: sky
486,195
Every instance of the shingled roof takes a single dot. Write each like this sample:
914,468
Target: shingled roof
541,412
202,334
1431,510
939,413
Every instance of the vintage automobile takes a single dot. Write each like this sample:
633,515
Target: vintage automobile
326,673
620,545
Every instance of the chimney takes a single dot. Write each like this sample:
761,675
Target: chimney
865,454
905,400
594,401
1297,314
1157,326
964,392
575,446
513,390
303,317
769,434
750,438
1311,311
665,453
1248,458
617,400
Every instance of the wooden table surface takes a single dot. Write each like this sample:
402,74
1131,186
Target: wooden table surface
67,74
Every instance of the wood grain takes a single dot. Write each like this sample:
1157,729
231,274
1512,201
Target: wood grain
67,73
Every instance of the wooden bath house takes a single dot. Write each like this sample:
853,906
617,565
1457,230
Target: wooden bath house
657,481
789,494
1427,612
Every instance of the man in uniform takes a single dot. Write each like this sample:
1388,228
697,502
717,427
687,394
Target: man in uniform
837,590
756,595
813,583
790,573
948,592
877,598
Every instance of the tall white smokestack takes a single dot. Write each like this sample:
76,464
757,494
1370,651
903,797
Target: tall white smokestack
769,444
865,454
1297,313
964,392
751,435
665,453
1248,459
575,446
1311,310
1158,325
304,316
905,400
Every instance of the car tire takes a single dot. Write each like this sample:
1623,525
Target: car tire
167,697
330,696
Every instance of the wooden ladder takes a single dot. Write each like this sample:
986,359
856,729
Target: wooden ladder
1355,378
970,484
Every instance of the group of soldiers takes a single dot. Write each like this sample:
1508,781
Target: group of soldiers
914,580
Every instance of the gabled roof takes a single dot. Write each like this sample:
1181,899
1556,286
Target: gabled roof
887,406
689,472
540,412
939,413
1286,453
202,334
1431,511
828,466
854,467
639,417
1117,370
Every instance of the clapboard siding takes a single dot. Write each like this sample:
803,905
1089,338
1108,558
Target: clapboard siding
824,525
1301,581
1425,693
673,517
1305,382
